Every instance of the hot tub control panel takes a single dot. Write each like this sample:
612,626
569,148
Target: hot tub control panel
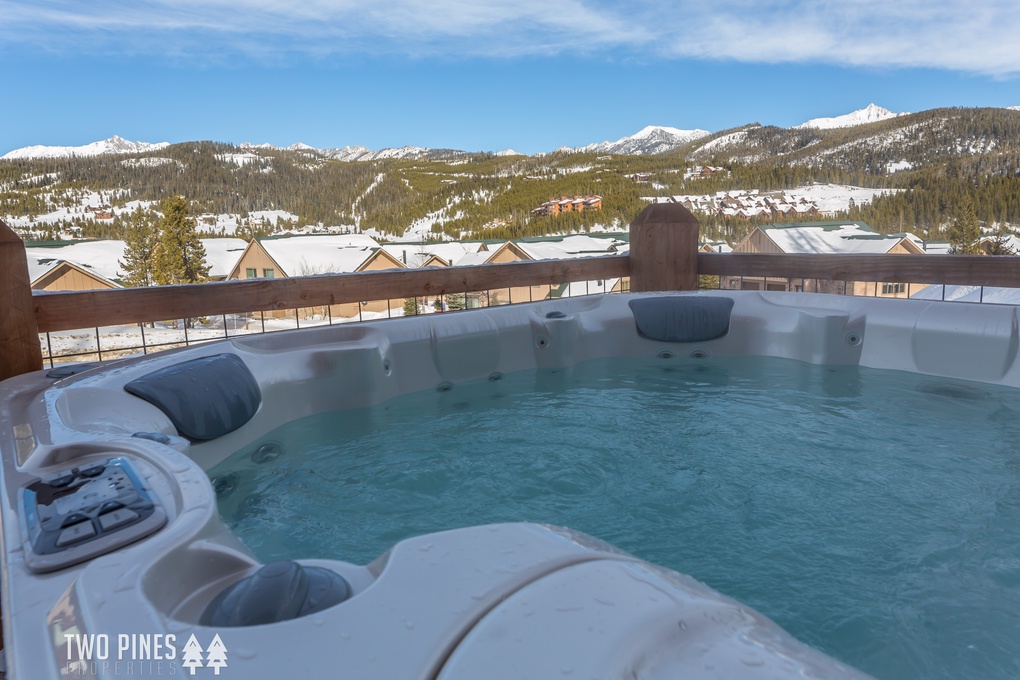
85,511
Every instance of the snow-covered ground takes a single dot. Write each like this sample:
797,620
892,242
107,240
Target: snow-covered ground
233,224
836,197
827,198
115,342
238,159
899,165
86,200
990,295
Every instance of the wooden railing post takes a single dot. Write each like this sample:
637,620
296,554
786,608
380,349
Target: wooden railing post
19,338
664,249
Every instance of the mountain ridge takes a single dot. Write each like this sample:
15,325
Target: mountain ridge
651,139
872,140
113,145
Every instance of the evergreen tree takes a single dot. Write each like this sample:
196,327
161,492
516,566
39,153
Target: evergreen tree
964,230
455,302
411,306
139,244
179,255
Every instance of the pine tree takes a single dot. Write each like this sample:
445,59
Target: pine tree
964,230
179,256
455,302
411,306
139,243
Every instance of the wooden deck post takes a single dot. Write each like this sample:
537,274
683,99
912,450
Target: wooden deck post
19,338
664,249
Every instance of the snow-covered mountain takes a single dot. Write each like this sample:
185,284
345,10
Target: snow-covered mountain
869,114
650,140
745,142
361,153
113,145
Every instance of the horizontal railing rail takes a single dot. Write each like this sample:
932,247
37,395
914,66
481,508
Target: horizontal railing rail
84,309
972,270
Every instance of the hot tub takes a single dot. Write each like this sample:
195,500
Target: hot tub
117,563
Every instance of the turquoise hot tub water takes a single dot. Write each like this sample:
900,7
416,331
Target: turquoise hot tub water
873,514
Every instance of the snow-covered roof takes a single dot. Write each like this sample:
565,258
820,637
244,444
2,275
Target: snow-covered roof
473,258
221,254
935,247
306,255
417,254
837,238
579,245
1012,242
100,257
103,257
39,266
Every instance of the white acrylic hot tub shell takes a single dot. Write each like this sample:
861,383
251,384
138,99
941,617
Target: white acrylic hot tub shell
509,601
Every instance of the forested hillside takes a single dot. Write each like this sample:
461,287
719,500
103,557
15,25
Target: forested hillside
932,159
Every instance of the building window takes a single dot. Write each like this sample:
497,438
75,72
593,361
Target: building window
268,273
250,273
893,288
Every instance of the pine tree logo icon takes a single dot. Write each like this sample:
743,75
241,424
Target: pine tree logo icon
192,655
216,655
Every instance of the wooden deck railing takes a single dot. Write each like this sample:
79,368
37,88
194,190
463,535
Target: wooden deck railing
663,256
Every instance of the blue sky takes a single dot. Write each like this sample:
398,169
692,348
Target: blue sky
483,74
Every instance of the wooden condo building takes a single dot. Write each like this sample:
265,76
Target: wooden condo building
565,204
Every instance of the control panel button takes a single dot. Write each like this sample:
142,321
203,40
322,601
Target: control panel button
92,470
112,520
73,518
76,533
110,506
62,480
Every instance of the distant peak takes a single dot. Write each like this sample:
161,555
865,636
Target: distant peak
663,130
872,113
113,145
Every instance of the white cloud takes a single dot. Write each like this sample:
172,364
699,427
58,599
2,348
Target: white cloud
945,34
958,35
